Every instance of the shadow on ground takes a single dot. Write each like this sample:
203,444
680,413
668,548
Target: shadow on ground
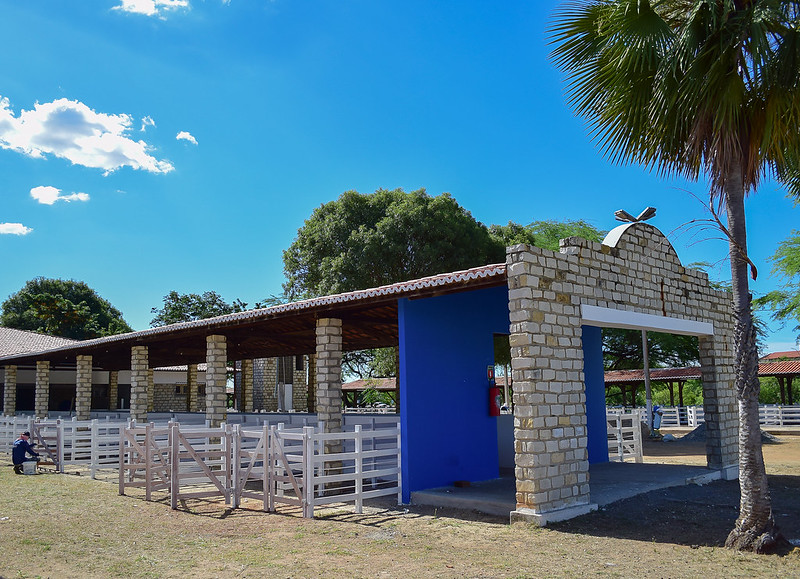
689,515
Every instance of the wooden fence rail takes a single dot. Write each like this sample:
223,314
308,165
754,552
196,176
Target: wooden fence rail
291,466
624,436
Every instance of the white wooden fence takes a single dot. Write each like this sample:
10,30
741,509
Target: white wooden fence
92,444
304,467
624,436
692,416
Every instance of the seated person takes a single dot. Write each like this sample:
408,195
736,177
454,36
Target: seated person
21,447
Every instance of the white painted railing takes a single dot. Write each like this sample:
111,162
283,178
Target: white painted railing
304,467
624,436
775,415
692,416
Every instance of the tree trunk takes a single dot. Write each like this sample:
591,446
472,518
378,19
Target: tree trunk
755,528
671,386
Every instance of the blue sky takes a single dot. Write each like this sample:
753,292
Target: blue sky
157,145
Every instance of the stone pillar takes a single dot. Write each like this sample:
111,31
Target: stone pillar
83,387
300,386
10,391
329,373
139,370
191,388
216,379
151,390
247,386
550,440
42,396
270,379
312,383
719,401
113,389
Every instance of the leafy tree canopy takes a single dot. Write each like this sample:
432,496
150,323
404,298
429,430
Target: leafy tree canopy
360,241
179,307
545,234
188,307
622,350
66,308
785,302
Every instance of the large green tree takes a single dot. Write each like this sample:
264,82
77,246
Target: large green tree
59,307
177,307
545,234
785,302
691,88
368,240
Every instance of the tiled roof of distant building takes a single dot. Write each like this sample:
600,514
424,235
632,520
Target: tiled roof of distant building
13,341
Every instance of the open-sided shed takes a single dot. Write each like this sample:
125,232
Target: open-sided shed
552,304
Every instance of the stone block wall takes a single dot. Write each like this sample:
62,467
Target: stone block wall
42,393
265,373
10,390
640,272
300,388
83,388
166,400
192,404
113,389
329,373
216,379
139,379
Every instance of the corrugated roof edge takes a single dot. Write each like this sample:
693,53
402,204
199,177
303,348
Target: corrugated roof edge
439,280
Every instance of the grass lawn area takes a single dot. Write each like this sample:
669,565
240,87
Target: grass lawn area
71,526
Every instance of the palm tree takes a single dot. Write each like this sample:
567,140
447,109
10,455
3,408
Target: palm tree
691,87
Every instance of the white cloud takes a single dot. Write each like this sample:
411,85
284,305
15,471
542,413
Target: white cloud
151,7
14,229
186,136
71,130
147,122
47,195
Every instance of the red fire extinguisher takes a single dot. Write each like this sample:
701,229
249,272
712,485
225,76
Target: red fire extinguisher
494,400
494,393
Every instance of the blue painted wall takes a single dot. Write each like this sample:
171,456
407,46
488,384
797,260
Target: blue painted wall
595,394
446,344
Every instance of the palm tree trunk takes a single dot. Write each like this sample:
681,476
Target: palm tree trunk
755,528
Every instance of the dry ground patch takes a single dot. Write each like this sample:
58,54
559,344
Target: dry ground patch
70,526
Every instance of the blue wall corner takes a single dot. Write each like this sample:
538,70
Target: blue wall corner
446,344
594,379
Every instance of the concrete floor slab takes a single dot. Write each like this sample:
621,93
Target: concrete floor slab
608,482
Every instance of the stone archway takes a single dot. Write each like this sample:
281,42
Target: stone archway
634,276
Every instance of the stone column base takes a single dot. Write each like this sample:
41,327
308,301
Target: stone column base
730,472
541,519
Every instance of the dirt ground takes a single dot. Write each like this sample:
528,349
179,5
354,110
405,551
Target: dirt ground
71,526
698,515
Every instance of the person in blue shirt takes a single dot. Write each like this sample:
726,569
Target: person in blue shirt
22,447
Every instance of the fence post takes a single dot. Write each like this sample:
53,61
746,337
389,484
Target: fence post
174,465
270,465
227,460
265,477
359,469
399,468
122,430
637,440
60,455
308,478
148,461
94,452
236,452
